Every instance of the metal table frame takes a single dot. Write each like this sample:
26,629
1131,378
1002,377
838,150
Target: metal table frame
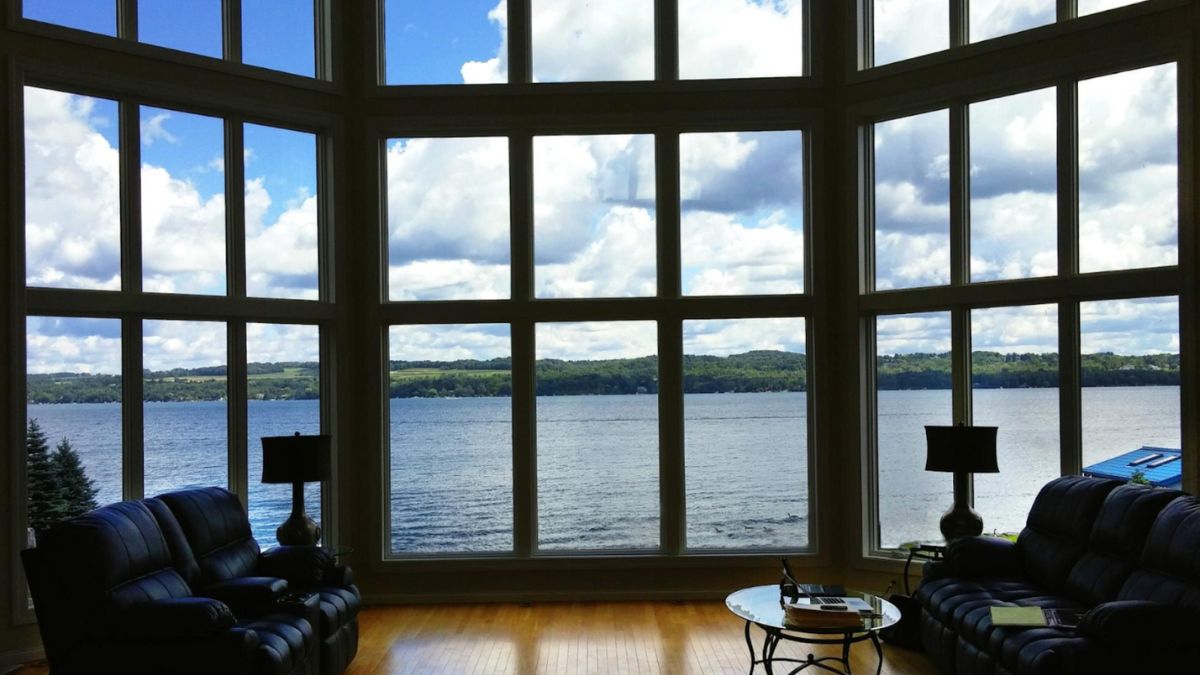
773,636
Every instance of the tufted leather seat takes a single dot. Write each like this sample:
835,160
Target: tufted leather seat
1118,550
216,552
109,599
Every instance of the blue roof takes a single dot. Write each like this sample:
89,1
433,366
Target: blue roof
1163,467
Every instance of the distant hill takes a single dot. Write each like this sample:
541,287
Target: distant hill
754,371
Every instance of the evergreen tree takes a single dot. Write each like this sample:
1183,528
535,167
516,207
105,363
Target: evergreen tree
77,491
43,496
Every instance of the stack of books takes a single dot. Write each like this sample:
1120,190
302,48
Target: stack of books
811,613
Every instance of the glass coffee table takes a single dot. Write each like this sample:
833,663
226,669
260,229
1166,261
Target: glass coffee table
761,606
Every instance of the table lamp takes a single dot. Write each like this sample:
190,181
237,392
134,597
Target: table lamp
297,460
962,450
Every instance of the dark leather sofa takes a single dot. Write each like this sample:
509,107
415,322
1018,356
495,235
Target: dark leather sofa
1128,555
177,585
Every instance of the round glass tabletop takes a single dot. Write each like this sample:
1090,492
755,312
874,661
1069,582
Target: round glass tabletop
760,605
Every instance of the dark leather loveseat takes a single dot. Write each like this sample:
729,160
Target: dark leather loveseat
177,585
1128,555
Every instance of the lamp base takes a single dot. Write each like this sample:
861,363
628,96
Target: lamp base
298,530
961,521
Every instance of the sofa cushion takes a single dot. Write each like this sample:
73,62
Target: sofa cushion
218,532
1059,525
287,644
1169,570
339,606
1116,542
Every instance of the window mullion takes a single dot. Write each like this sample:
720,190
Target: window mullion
959,30
231,18
672,505
1070,402
666,40
520,44
960,377
960,200
127,20
132,410
524,384
235,208
235,390
1066,9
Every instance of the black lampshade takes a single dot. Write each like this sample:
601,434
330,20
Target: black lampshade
292,459
961,448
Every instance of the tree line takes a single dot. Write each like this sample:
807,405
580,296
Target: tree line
754,371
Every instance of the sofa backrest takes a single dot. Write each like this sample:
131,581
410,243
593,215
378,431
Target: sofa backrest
1059,524
92,565
1169,570
1116,542
217,531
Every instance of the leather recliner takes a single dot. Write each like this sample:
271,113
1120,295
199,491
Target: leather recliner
216,554
1125,554
109,598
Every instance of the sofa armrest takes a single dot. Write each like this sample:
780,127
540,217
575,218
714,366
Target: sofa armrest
248,595
984,557
1139,621
300,565
176,618
339,575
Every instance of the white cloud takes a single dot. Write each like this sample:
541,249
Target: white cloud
281,257
273,343
152,130
183,344
909,333
990,18
1019,330
495,69
597,340
449,342
908,28
722,337
733,258
584,40
183,235
740,38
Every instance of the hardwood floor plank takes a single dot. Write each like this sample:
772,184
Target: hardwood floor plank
637,638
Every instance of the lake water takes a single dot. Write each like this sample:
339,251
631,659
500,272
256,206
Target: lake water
598,465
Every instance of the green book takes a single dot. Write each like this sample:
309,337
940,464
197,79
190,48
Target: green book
1018,616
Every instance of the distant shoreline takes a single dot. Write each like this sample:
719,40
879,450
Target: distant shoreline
750,372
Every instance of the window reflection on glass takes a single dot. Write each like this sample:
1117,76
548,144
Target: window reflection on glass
446,42
185,396
1014,381
992,18
187,25
742,210
908,28
597,436
912,201
450,413
1014,187
283,391
745,413
72,148
183,202
741,38
912,374
1130,374
73,395
582,40
95,16
282,238
279,34
1128,170
448,218
594,216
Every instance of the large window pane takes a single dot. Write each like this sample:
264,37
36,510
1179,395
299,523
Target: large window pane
450,409
183,202
282,238
594,210
741,38
187,25
912,201
912,370
283,387
1093,6
72,191
185,399
1130,372
597,436
446,42
991,18
96,16
1014,187
278,34
746,415
908,28
73,437
742,209
1014,378
448,218
582,40
1128,170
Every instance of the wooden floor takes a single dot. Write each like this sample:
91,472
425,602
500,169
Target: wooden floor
627,637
